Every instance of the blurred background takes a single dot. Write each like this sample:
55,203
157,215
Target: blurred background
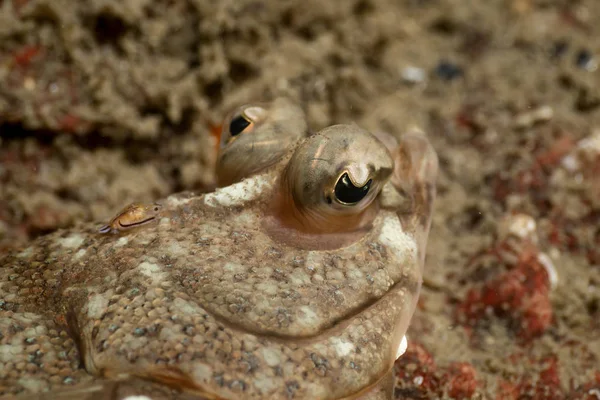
107,102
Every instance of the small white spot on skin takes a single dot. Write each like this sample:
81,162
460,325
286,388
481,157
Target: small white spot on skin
402,347
307,317
96,306
137,397
72,242
271,356
164,221
26,253
299,277
267,288
152,271
80,254
233,268
168,334
342,347
393,237
185,307
176,250
8,352
550,269
238,193
176,201
33,385
121,242
265,384
202,373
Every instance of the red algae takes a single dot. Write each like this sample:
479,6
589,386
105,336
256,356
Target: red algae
521,294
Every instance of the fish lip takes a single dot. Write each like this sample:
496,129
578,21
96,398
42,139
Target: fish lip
127,226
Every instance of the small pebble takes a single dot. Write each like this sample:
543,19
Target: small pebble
550,269
585,60
522,226
413,75
532,117
448,71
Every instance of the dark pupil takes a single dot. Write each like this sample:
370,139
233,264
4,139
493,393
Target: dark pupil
346,192
237,125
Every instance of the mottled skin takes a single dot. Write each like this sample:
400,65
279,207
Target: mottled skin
217,299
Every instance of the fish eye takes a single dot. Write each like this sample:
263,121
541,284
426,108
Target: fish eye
347,193
255,136
238,125
245,120
332,181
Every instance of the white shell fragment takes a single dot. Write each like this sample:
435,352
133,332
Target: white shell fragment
532,117
550,269
522,226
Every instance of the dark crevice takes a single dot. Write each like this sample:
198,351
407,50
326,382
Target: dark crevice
90,142
444,26
336,60
214,92
67,195
176,179
12,131
287,18
312,30
593,306
184,125
194,58
373,58
307,32
363,7
108,29
241,71
475,43
566,82
586,101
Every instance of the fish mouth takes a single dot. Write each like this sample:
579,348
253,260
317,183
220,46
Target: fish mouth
134,224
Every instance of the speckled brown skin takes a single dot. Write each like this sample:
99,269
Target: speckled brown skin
208,301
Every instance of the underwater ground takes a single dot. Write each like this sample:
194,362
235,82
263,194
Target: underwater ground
106,102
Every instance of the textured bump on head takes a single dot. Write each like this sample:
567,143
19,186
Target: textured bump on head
73,241
239,193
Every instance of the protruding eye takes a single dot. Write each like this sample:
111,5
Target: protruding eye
346,193
238,125
256,136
